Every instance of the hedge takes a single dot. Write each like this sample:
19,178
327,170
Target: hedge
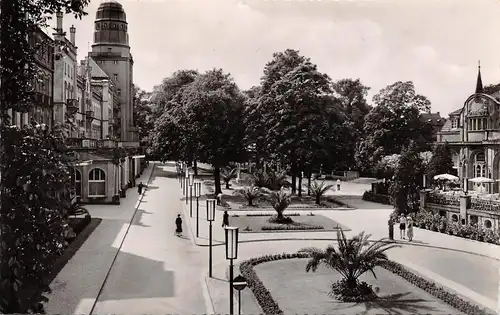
270,307
383,199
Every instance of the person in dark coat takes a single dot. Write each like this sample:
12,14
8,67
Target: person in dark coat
139,188
225,219
178,224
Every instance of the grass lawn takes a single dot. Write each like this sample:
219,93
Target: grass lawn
298,292
254,224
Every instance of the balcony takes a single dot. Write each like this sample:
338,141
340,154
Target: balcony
71,106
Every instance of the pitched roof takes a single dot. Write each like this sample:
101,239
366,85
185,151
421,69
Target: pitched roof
456,112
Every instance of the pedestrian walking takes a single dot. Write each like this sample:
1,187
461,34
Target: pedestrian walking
402,226
409,229
139,188
225,219
338,184
219,199
178,226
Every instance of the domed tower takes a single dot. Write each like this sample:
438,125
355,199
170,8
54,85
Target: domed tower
111,51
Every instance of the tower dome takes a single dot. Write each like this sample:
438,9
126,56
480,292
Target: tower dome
110,25
111,10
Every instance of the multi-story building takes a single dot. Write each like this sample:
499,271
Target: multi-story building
43,96
473,134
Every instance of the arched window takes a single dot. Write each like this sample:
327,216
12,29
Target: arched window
78,183
479,166
97,183
454,218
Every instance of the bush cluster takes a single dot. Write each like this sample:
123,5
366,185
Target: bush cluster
383,199
361,293
270,307
298,227
437,223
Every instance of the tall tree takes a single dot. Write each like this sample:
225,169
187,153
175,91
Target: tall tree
143,114
31,207
169,89
292,91
393,123
352,95
214,107
441,161
404,190
491,89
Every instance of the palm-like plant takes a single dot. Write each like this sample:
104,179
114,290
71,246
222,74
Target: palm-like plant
318,190
249,193
228,174
352,258
276,180
279,200
260,178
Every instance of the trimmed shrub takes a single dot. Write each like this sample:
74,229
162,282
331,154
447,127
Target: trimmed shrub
383,199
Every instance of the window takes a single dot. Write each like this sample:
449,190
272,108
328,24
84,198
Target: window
476,124
454,123
479,166
115,62
78,183
97,183
487,224
115,77
109,49
119,91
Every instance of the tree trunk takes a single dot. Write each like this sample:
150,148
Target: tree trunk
280,215
309,184
300,185
195,168
227,184
318,197
218,188
294,179
250,202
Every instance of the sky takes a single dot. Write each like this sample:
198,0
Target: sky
434,43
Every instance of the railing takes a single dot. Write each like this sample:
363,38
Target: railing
442,199
86,143
484,205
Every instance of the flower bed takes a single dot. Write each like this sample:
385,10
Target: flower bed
270,307
383,199
291,227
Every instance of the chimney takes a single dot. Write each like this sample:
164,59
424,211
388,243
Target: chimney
72,32
59,16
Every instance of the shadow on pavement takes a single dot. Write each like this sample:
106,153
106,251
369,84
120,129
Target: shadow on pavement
138,218
136,284
399,303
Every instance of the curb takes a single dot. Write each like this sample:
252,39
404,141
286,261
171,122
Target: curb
371,241
136,207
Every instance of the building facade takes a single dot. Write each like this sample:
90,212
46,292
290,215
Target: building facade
473,134
43,96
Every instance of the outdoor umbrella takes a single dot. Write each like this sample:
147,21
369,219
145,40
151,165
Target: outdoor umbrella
445,177
482,180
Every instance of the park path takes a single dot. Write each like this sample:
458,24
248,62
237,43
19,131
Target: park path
155,271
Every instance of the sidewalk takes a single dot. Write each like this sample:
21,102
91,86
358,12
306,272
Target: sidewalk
77,286
155,271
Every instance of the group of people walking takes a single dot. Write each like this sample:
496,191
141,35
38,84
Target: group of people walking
405,227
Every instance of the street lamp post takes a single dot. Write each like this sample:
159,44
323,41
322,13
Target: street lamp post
239,283
197,193
186,184
210,218
231,254
191,182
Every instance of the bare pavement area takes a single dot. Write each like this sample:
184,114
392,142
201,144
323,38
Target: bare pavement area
133,263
